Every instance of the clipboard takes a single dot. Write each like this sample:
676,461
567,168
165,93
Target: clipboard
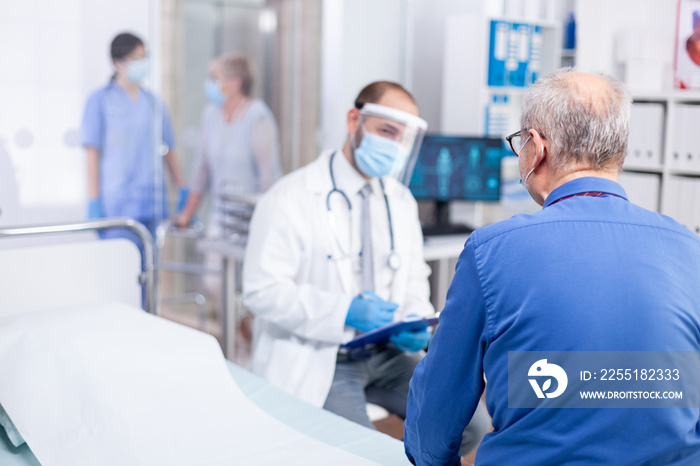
382,334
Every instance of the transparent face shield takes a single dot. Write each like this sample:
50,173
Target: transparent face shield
402,135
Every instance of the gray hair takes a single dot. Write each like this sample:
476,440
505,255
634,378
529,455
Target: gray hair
236,65
582,129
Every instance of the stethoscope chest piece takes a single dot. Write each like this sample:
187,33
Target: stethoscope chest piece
394,261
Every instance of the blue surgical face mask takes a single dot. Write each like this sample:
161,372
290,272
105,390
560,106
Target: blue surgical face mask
212,90
376,155
137,70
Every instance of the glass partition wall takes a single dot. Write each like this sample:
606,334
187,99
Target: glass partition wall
283,40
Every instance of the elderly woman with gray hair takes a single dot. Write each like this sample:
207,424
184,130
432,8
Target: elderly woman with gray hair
239,156
239,149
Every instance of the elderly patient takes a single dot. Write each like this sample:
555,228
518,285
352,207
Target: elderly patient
589,272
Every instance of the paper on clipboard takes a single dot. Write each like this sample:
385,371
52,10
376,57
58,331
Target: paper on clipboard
382,334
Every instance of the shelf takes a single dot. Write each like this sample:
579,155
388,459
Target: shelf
642,169
523,20
673,95
516,91
684,171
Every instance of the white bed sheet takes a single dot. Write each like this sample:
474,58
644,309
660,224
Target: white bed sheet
110,384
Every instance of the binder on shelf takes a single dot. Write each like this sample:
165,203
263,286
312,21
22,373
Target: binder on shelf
634,146
497,114
642,189
515,53
646,135
511,65
520,49
678,149
691,141
382,334
534,67
695,207
670,199
685,202
498,53
654,136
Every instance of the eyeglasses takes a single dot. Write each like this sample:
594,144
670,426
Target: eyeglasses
516,141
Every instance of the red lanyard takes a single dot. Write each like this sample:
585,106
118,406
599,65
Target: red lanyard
591,194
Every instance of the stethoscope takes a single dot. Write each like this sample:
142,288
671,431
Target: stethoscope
394,260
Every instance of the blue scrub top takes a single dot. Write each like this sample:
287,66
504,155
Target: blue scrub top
123,131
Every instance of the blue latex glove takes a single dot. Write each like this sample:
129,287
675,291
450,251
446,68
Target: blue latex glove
182,198
95,209
368,311
411,341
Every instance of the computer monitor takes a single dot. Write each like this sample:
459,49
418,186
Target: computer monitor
456,168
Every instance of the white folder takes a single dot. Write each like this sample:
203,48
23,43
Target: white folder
695,207
685,204
653,136
678,137
642,189
634,147
692,138
670,199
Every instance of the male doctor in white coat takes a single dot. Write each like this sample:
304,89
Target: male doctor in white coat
335,249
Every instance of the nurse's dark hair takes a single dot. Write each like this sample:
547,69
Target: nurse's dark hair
123,44
373,92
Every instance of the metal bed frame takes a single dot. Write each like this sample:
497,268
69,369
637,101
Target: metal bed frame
193,233
148,277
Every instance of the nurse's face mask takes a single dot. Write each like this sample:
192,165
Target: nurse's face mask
136,65
387,142
137,70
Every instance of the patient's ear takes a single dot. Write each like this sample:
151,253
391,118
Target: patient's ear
541,149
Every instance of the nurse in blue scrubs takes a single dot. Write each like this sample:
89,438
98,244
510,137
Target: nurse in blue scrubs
118,133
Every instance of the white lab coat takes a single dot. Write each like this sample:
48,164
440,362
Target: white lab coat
299,296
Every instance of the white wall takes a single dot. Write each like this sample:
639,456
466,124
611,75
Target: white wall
54,53
428,52
362,42
601,22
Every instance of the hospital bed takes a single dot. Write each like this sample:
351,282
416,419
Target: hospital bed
86,274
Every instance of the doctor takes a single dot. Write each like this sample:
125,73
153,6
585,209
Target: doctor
336,249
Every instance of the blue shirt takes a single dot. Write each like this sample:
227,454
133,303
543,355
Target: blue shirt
583,274
123,131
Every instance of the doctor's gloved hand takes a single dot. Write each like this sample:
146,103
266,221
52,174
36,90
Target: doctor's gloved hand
411,341
95,209
368,311
182,194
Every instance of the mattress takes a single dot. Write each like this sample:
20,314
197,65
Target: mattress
309,420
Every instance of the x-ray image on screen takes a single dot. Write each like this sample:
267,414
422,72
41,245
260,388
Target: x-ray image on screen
452,167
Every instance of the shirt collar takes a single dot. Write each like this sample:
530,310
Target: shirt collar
113,85
348,179
583,185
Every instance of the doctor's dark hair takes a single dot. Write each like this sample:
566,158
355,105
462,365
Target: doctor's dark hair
583,128
123,44
373,92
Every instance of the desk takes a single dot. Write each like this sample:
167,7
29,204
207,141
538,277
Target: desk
232,254
442,249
